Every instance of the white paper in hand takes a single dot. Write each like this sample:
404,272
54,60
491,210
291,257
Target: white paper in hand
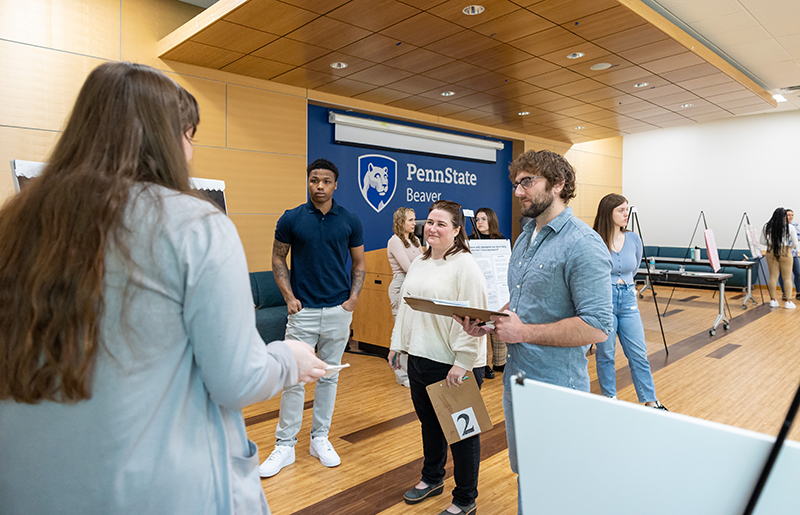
333,369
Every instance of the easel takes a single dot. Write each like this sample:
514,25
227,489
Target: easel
685,260
757,258
634,219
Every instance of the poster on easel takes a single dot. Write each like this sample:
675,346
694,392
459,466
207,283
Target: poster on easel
752,241
711,249
493,257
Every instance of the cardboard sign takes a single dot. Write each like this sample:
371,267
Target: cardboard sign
460,409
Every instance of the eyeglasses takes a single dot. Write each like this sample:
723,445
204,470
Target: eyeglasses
525,183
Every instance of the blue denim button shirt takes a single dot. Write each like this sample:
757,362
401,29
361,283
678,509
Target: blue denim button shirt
563,273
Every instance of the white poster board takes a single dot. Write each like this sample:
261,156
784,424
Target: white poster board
586,454
752,241
711,249
493,256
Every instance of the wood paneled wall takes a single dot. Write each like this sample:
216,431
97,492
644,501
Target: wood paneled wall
252,133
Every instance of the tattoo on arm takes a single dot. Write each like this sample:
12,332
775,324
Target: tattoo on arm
279,268
357,281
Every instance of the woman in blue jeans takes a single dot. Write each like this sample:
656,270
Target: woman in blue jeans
626,255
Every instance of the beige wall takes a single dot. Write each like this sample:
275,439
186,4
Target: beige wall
252,133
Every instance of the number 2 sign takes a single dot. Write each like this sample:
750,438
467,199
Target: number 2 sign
466,423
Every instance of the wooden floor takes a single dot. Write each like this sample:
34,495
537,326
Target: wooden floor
744,377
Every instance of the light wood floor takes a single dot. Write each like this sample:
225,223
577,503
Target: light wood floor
745,377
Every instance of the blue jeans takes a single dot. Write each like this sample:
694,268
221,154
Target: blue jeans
628,325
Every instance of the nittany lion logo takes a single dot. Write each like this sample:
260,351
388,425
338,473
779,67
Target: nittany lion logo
377,179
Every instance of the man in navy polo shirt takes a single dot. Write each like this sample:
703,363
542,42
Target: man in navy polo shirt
320,296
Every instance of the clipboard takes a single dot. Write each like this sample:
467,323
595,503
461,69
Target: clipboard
445,309
460,410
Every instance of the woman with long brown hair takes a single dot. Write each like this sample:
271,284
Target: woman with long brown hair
779,238
439,350
626,250
127,335
402,248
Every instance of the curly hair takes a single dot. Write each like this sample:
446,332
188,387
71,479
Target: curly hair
553,167
398,226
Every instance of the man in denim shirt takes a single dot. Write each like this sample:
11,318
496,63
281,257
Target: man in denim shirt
558,277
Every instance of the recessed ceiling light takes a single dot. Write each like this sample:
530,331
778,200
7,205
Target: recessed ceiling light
641,84
472,10
575,55
448,93
600,66
687,105
579,127
523,113
339,65
779,98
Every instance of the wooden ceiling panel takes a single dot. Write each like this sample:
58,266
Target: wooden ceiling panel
346,87
374,15
580,86
592,52
690,72
653,51
380,75
317,6
528,68
199,54
421,29
354,64
604,23
256,67
463,44
547,41
487,80
555,78
271,16
305,78
562,11
498,57
513,90
510,59
454,72
417,84
712,116
513,26
673,62
443,109
451,10
631,38
236,38
418,61
378,48
382,95
291,52
329,33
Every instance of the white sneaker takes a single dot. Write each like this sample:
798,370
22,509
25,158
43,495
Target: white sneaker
322,448
790,305
773,304
281,456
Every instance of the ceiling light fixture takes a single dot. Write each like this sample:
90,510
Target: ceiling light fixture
523,113
575,55
600,66
641,84
339,65
779,98
448,93
579,127
472,10
687,105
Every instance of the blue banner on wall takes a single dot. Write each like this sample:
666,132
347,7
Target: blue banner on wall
373,183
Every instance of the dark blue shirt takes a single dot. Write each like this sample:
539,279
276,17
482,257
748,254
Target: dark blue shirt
320,251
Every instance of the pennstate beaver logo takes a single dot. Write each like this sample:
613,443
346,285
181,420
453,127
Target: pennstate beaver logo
377,180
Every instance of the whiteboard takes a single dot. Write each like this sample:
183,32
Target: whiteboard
580,453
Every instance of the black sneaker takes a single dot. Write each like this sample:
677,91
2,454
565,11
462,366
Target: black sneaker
660,406
488,373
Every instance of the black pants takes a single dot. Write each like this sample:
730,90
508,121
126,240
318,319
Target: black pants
466,453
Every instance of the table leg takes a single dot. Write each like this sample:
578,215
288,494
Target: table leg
721,315
749,289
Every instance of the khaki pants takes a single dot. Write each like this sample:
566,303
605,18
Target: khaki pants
784,266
